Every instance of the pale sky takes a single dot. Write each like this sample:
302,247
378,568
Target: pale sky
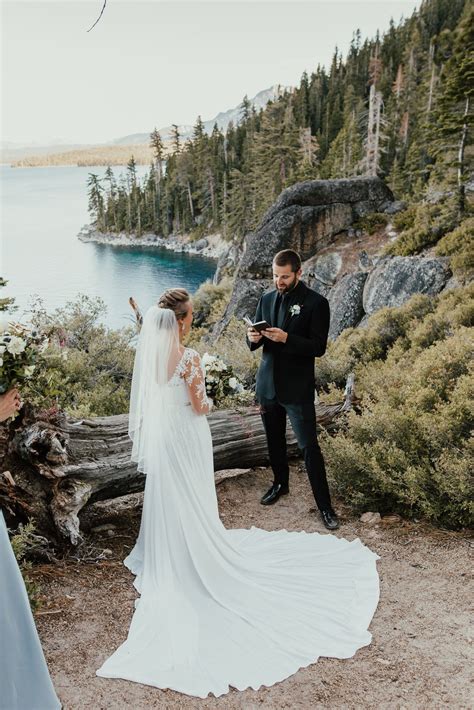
155,63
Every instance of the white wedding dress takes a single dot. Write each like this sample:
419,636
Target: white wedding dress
219,608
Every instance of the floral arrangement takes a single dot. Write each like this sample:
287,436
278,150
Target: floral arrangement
19,349
220,379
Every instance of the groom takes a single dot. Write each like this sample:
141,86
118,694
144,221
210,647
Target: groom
285,380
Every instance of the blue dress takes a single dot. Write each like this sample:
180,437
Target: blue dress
24,678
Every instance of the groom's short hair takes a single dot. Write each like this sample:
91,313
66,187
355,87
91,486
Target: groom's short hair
288,256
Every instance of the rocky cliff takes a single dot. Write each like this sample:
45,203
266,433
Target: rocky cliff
319,219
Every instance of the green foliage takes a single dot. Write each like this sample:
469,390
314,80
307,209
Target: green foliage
409,449
210,301
372,222
459,245
87,368
21,541
397,106
423,225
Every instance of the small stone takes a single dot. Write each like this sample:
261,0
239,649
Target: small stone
370,518
107,551
106,527
382,661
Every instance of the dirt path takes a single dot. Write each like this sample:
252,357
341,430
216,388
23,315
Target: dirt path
421,649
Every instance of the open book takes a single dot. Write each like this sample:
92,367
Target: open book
259,326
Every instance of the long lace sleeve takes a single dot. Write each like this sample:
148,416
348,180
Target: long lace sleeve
194,377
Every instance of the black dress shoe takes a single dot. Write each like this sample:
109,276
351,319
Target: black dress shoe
330,519
272,495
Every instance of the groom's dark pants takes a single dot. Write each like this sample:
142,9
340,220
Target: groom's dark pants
303,420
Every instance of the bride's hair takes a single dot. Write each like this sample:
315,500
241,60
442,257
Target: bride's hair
176,299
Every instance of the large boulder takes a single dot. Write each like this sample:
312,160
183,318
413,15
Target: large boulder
345,301
395,279
306,217
321,271
243,302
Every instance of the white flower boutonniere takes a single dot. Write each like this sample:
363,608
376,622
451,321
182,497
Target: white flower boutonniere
295,310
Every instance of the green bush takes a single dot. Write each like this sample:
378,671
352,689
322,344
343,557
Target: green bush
87,368
422,226
371,222
409,449
459,245
210,301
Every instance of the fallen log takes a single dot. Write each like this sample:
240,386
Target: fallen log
59,467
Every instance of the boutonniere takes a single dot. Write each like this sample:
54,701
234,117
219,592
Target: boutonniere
295,310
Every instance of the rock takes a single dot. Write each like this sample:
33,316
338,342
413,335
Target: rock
200,244
304,229
305,217
395,279
243,302
106,527
227,262
365,262
320,272
394,207
345,301
370,518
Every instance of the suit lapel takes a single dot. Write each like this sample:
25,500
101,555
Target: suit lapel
273,305
297,296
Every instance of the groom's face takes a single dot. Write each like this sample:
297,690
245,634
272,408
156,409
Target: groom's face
284,278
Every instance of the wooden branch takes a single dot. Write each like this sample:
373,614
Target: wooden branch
101,13
76,462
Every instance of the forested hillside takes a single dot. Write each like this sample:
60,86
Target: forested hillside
399,106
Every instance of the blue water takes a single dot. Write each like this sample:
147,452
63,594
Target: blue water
43,209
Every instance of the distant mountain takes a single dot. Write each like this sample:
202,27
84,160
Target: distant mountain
222,119
12,152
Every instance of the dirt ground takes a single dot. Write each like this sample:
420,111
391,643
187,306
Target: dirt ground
421,649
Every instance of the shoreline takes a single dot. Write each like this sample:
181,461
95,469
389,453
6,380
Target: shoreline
211,246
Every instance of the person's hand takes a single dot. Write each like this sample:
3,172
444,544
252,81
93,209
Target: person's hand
276,334
253,335
10,403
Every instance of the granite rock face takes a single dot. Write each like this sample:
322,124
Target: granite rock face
394,280
306,217
345,301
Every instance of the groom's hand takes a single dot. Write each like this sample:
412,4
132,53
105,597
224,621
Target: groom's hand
253,335
276,334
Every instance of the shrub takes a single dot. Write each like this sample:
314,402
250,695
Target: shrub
422,226
87,368
210,301
409,450
371,222
459,245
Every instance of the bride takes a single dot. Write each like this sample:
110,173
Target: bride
217,607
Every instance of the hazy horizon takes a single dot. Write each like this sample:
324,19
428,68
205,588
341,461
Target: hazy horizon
155,63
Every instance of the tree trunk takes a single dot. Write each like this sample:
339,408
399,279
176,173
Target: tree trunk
58,468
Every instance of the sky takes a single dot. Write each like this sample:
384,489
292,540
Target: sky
154,63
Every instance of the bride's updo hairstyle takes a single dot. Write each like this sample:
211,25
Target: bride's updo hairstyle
177,300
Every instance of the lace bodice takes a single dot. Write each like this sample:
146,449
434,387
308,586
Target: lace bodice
190,371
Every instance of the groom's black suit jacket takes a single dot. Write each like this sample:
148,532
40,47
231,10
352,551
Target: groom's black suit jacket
287,369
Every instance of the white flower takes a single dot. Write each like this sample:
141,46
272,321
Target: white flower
64,355
28,370
210,378
233,382
295,310
208,360
16,345
2,349
1,361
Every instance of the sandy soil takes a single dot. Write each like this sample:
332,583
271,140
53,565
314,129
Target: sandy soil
421,648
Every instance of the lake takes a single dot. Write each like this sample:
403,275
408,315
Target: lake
42,211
